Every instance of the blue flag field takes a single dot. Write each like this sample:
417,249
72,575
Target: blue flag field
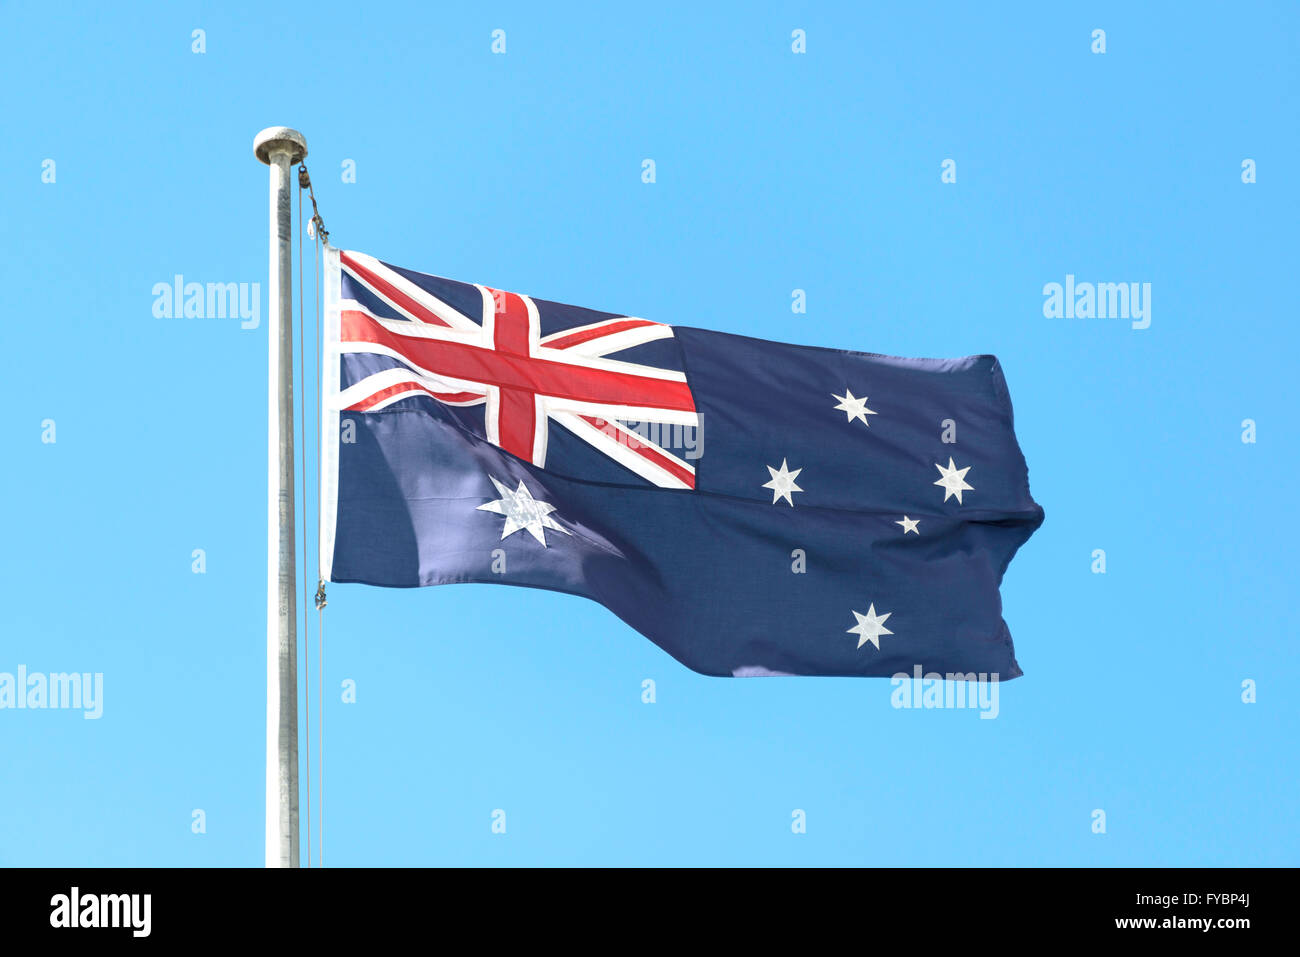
752,507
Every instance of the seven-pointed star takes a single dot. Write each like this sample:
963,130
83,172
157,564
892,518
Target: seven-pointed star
521,510
953,481
854,408
870,626
782,483
909,525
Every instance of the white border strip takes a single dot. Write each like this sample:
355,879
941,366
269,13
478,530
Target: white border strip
391,377
328,493
610,342
436,306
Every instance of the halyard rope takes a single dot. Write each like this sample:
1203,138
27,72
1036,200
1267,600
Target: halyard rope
315,228
321,237
302,445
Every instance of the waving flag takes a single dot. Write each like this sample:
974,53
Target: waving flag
751,507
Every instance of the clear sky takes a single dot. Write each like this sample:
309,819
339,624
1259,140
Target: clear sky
775,171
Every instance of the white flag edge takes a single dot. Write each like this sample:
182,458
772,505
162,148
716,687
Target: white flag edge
329,422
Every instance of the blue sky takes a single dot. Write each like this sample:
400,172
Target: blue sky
775,171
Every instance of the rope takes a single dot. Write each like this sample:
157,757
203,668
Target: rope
302,444
321,237
316,228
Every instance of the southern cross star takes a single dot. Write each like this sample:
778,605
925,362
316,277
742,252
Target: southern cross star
909,525
521,510
870,626
953,481
782,483
854,408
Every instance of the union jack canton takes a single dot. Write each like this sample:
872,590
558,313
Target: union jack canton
487,348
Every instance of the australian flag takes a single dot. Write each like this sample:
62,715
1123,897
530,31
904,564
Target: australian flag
752,507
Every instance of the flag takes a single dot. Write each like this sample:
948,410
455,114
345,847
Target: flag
752,507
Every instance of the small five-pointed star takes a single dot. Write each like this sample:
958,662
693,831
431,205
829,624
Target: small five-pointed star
782,483
870,626
909,525
521,510
953,481
854,408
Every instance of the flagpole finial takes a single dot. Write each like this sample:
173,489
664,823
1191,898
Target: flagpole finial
280,139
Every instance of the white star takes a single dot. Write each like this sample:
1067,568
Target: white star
782,483
521,510
909,525
870,626
854,408
953,481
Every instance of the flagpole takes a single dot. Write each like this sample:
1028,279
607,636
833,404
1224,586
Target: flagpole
279,148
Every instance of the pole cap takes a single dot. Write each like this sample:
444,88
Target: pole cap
280,139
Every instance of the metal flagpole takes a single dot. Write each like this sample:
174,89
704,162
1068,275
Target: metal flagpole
279,148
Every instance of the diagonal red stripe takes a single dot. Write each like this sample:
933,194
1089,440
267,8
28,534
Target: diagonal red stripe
586,335
374,399
395,295
640,448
